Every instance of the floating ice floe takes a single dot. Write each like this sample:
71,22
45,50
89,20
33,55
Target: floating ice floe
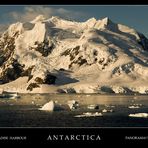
10,95
15,95
52,106
33,102
73,104
107,110
93,106
48,106
89,114
132,107
139,115
135,106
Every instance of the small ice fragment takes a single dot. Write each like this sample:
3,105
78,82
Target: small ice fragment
89,114
135,106
132,107
107,110
48,106
140,115
73,104
104,111
56,101
93,106
33,102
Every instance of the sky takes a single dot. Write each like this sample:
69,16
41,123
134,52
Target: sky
132,16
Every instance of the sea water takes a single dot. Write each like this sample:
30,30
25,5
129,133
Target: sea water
24,111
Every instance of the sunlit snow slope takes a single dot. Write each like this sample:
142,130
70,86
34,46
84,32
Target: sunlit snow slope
57,55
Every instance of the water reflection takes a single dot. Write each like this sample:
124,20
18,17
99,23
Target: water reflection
93,111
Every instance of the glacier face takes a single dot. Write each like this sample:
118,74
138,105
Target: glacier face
74,57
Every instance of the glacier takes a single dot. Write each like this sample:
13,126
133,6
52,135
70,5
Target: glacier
55,55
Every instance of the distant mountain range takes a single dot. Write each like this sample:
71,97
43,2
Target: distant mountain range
96,56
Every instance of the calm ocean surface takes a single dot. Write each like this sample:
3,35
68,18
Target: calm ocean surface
23,112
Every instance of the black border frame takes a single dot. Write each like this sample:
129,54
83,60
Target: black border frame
107,135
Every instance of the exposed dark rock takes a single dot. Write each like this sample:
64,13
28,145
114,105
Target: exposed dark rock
96,59
49,79
96,107
44,48
18,67
80,61
66,53
10,74
32,86
7,46
95,53
2,59
39,80
30,77
71,52
101,61
27,72
74,52
11,69
62,69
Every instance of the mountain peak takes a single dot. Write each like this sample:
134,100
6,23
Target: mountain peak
105,20
91,22
55,18
106,23
91,19
39,18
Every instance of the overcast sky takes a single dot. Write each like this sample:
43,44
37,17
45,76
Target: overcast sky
132,16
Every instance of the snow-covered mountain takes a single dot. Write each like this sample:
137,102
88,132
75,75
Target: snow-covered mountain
57,55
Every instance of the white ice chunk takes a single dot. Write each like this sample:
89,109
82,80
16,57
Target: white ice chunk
48,106
93,106
139,115
107,110
73,104
133,107
89,114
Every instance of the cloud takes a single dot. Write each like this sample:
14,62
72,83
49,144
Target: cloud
30,12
